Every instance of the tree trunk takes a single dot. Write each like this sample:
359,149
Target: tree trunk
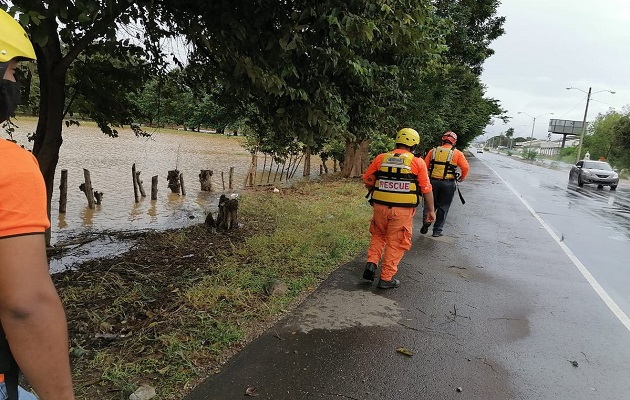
356,159
48,138
205,179
307,162
172,178
228,213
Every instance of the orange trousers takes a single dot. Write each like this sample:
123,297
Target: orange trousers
391,229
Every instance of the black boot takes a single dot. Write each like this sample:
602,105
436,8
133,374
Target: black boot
394,283
425,227
370,269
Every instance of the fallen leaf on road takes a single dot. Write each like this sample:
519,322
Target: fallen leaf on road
405,351
251,391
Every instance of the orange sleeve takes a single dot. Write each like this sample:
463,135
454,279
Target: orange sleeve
427,158
22,193
368,177
462,163
420,169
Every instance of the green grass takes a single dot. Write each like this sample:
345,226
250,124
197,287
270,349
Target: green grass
181,319
317,228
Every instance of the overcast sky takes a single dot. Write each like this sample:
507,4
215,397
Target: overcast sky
550,45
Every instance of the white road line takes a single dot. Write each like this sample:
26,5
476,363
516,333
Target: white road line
589,278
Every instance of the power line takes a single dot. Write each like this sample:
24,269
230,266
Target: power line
573,108
612,105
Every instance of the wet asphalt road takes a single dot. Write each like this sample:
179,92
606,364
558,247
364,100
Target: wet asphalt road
593,223
496,308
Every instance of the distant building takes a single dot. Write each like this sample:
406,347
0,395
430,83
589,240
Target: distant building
550,149
546,148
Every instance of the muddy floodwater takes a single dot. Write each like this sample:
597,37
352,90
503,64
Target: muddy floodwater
110,160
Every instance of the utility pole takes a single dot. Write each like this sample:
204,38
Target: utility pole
588,99
579,152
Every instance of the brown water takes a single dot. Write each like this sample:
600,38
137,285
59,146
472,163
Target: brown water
110,160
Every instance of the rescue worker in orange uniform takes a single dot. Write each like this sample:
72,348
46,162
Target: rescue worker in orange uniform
33,334
443,162
396,181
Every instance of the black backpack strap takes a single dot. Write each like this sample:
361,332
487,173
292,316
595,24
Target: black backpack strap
8,367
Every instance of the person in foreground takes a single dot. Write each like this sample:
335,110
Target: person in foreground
395,180
443,162
34,335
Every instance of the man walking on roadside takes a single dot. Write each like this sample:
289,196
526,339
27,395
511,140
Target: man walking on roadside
443,162
396,180
33,334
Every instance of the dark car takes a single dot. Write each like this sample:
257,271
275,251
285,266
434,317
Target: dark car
595,172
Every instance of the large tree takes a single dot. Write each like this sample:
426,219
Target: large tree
314,72
453,97
475,25
609,137
86,58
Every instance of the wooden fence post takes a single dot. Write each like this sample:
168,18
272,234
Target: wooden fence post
87,188
249,178
231,177
140,186
181,182
263,169
134,177
270,168
63,191
298,161
154,187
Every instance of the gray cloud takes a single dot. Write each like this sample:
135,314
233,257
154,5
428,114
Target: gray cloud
553,44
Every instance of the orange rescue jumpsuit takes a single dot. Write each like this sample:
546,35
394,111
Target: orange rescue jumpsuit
391,226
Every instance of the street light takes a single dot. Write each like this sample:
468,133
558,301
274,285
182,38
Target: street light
531,138
588,98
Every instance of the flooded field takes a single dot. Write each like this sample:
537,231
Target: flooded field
110,160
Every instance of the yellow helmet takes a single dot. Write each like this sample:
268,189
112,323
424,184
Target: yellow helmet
408,137
14,42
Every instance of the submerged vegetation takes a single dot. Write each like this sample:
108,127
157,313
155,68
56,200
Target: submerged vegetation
171,310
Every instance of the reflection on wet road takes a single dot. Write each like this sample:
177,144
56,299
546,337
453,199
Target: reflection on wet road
612,205
593,223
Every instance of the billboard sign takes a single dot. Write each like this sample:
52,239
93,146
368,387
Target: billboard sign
565,127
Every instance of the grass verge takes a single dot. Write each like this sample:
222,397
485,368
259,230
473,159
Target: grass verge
177,306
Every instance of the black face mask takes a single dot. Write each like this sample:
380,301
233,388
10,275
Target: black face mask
9,98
